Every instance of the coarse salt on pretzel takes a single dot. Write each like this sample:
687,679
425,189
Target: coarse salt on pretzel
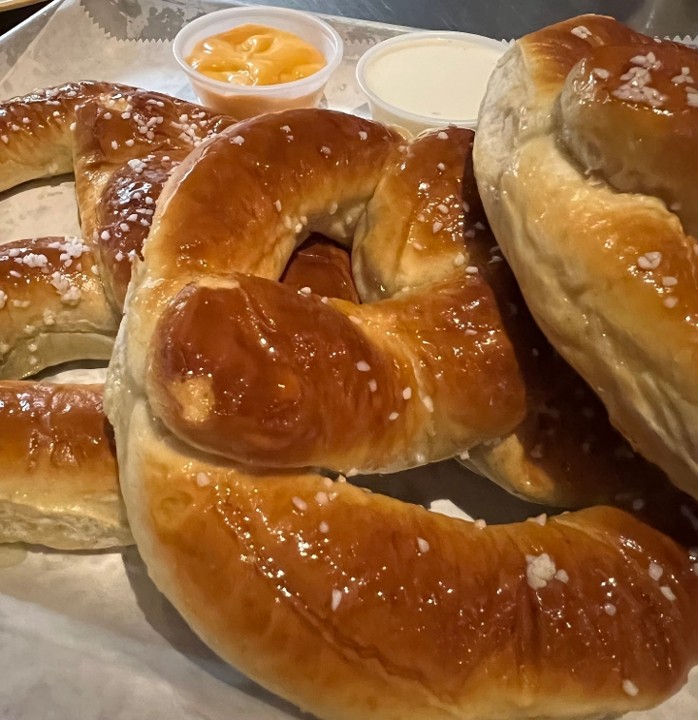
350,604
126,144
52,305
584,163
36,131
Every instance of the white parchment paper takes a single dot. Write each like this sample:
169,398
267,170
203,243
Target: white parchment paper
87,636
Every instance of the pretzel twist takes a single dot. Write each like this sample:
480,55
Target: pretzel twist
124,144
351,604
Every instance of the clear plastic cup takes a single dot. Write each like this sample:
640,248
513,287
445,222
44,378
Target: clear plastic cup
412,80
241,101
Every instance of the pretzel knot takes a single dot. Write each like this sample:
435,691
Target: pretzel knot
246,368
225,385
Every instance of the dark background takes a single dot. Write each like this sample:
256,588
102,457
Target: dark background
495,18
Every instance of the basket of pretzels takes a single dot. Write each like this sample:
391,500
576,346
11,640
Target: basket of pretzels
294,301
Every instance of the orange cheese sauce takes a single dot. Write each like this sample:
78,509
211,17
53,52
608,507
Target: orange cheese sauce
256,55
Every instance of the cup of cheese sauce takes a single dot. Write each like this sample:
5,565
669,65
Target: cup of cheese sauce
245,61
428,79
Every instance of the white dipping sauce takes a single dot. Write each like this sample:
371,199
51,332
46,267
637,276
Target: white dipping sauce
441,78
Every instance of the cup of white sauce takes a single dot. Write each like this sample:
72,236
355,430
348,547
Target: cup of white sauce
428,79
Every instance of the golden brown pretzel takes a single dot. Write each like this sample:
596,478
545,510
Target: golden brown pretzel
126,141
425,374
583,162
351,604
124,167
56,293
60,298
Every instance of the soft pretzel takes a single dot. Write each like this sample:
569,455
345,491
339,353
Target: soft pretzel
58,484
350,604
424,374
126,141
557,455
60,298
583,159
